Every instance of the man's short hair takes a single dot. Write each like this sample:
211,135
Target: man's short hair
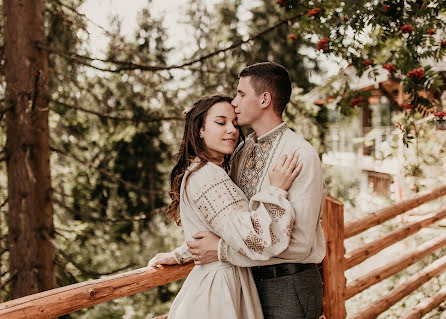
273,78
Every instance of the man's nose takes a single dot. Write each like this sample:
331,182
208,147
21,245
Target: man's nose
234,102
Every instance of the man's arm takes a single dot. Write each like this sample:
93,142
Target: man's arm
306,196
254,228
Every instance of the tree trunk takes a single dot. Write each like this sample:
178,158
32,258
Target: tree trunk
30,218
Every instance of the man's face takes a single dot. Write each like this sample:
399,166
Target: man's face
246,103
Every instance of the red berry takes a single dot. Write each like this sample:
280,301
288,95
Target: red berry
417,74
431,31
389,67
440,114
292,36
367,62
407,28
406,106
323,44
314,12
356,101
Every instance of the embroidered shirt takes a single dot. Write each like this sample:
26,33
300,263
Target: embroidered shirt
254,228
249,170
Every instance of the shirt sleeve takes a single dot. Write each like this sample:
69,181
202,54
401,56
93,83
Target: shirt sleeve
182,254
258,229
306,196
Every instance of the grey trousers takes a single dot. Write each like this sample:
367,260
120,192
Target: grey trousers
296,296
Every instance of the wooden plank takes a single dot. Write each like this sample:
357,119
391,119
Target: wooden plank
64,300
333,263
413,283
426,305
388,270
376,218
360,254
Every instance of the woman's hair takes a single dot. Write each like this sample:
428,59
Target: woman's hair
193,146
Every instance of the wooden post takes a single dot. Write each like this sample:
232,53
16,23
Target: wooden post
333,264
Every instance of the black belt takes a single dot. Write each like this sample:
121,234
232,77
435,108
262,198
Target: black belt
279,270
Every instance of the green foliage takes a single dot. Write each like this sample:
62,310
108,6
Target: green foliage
406,35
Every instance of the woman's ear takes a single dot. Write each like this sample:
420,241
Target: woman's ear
201,132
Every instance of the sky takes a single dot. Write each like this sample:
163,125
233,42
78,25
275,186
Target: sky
101,11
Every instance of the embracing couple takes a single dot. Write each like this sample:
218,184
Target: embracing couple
250,209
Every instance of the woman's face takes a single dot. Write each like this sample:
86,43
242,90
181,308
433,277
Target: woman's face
220,132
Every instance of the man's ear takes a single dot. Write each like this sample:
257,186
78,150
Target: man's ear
265,100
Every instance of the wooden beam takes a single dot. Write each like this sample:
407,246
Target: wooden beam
64,300
426,305
360,254
333,263
388,270
413,283
376,218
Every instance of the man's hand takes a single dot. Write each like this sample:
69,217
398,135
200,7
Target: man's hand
204,250
162,259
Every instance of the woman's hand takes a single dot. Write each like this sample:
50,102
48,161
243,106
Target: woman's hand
283,173
162,259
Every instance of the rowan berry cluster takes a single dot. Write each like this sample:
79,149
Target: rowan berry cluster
356,101
323,44
417,74
406,106
389,67
314,12
407,28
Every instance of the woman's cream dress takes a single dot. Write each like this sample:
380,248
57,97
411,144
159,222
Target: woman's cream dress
259,229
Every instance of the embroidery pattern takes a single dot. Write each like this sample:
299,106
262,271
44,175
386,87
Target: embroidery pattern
254,243
289,228
255,162
275,211
181,258
274,238
219,197
256,224
241,252
224,251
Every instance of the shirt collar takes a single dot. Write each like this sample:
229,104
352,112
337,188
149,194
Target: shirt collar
270,135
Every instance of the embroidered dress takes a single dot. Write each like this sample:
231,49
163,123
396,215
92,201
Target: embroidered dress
249,170
211,201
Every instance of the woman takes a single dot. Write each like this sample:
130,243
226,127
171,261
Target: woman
205,198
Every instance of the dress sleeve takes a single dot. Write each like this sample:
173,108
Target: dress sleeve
258,229
182,254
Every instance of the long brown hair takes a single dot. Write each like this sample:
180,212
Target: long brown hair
193,146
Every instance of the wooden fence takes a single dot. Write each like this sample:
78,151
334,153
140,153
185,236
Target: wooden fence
64,300
336,291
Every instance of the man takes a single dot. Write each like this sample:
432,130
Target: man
289,285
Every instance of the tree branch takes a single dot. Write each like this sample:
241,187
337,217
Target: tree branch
81,268
129,66
104,172
4,203
106,219
84,17
118,118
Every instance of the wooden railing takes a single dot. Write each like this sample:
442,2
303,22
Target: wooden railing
336,291
64,300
